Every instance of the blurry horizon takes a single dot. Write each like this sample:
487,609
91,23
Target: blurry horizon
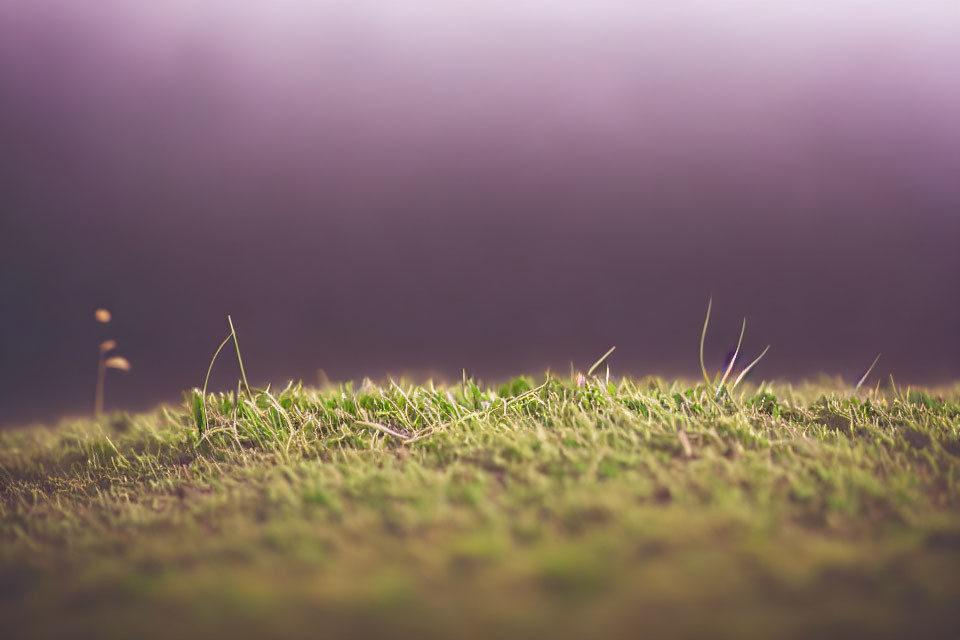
502,187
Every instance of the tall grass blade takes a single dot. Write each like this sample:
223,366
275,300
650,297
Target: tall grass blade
206,381
864,377
599,362
233,332
733,360
743,374
703,338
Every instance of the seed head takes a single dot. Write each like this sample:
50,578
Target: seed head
118,362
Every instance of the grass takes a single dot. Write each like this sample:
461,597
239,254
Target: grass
599,507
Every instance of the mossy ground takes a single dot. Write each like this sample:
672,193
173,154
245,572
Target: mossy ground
636,507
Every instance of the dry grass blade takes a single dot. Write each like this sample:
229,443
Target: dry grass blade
703,338
864,377
528,392
108,345
599,362
743,374
243,373
733,360
384,429
206,381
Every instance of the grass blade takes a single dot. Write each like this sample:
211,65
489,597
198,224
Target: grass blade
703,338
733,360
599,362
233,333
384,429
743,374
207,380
864,377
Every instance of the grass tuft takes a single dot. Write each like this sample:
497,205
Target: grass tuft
562,506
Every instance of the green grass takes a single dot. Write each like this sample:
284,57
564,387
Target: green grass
630,507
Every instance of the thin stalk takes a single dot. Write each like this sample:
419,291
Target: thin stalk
599,362
233,333
703,338
733,360
867,374
743,374
206,380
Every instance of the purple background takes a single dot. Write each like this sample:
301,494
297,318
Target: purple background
376,187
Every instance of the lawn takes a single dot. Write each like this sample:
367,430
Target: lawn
628,507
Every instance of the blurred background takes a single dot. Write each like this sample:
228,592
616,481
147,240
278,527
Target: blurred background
375,187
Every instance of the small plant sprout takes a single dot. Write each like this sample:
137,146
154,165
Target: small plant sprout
721,386
103,363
